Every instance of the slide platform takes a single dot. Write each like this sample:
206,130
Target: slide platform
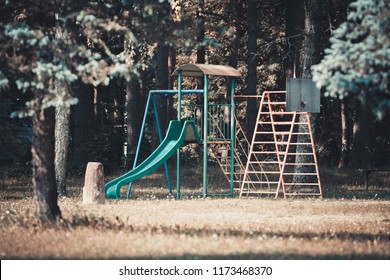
174,138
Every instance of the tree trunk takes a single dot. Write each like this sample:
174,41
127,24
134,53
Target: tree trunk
313,34
294,23
162,73
61,132
171,69
201,30
345,139
311,56
97,107
338,10
117,92
62,117
93,190
252,68
361,148
162,83
133,109
44,180
200,53
237,5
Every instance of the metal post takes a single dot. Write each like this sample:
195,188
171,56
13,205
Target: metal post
139,141
205,132
179,87
155,109
232,136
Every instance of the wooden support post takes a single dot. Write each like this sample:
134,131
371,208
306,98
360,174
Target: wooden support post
93,191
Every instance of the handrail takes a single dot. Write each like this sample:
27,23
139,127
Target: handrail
259,96
176,91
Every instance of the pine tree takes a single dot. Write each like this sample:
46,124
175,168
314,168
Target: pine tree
358,60
34,61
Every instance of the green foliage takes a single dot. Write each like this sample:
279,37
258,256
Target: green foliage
358,60
65,44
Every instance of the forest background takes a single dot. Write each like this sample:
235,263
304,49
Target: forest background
95,61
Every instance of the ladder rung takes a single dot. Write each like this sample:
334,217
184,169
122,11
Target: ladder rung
301,184
306,164
276,102
281,113
276,122
264,172
300,174
260,192
227,166
261,182
301,154
265,162
282,123
302,193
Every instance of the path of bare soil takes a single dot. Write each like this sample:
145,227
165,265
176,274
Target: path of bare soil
200,229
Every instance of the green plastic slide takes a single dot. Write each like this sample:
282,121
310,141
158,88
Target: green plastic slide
174,138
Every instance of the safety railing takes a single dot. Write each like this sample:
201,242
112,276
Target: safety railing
218,120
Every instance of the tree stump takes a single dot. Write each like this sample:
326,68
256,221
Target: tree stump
93,191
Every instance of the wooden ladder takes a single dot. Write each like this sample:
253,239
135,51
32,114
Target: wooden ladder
282,152
221,153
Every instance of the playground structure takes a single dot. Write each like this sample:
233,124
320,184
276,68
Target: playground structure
266,164
208,127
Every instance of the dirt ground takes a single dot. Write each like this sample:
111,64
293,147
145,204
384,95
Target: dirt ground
350,222
200,229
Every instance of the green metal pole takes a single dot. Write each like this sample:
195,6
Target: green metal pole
232,136
179,87
140,140
160,138
205,132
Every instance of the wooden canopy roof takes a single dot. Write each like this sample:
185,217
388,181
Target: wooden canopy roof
199,70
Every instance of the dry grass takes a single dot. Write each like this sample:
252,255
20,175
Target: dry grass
353,225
